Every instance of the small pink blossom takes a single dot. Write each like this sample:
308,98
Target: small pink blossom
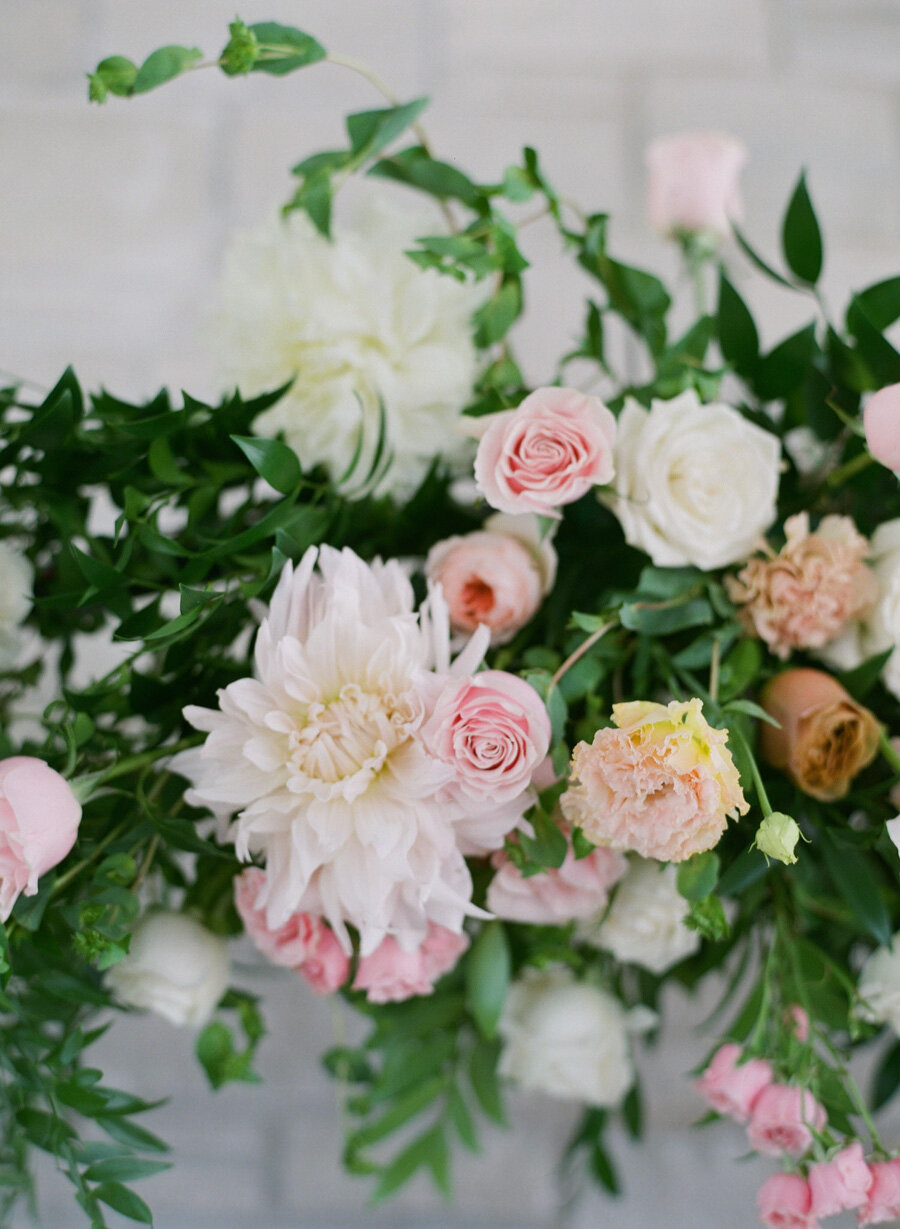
841,1183
783,1119
731,1087
881,420
549,452
391,974
693,183
799,1021
882,1203
579,888
785,1202
39,818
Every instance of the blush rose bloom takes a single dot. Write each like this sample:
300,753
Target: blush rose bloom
549,452
174,967
390,975
881,421
39,818
824,737
882,1204
841,1183
496,575
804,597
579,888
662,784
693,183
732,1087
680,495
783,1119
785,1202
304,942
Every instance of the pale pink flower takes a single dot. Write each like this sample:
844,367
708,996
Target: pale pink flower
693,183
799,1020
732,1087
841,1183
785,1202
662,784
39,818
550,451
579,888
326,967
390,974
881,420
807,594
882,1203
783,1119
496,575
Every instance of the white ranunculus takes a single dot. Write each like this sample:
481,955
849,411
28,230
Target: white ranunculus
175,967
645,923
566,1038
350,321
695,484
879,986
15,599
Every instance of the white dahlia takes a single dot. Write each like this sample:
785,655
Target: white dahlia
352,322
320,759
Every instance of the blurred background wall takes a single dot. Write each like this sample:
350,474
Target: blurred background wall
113,222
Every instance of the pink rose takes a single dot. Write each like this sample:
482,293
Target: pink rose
784,1202
39,817
841,1183
882,1203
577,889
881,420
494,730
390,974
303,943
732,1087
693,183
549,452
783,1119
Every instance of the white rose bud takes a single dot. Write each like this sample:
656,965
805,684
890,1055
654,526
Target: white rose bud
175,967
777,837
645,923
15,600
879,986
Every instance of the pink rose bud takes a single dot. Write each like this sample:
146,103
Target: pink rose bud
390,974
783,1119
731,1087
549,452
784,1202
841,1183
881,420
39,817
882,1202
693,183
799,1020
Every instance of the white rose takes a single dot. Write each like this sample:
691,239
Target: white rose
879,986
175,967
566,1038
645,923
695,484
881,630
15,599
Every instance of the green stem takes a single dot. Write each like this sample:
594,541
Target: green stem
85,786
850,469
757,777
579,653
889,752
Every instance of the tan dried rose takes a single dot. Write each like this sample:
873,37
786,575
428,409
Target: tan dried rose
825,738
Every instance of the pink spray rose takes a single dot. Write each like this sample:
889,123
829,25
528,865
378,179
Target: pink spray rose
881,420
390,974
577,889
303,943
841,1183
548,452
799,1021
693,183
39,818
783,1119
882,1202
731,1087
785,1202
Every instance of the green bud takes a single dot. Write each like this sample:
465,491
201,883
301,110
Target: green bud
241,51
97,88
777,836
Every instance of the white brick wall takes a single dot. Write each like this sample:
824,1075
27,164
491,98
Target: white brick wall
112,222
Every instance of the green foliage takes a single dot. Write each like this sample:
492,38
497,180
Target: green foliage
801,239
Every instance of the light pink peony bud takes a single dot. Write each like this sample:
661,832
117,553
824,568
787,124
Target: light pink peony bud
881,420
39,817
693,183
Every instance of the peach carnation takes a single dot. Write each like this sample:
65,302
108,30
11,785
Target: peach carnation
662,783
804,597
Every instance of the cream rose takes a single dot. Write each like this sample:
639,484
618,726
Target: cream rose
879,986
881,630
695,484
15,600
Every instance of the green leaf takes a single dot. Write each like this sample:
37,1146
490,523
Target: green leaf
785,367
548,847
661,619
46,1131
860,681
272,460
404,1108
422,1151
164,64
518,185
852,875
494,318
314,196
697,877
283,49
114,75
485,1083
747,868
371,131
459,1114
414,166
801,239
881,302
887,1077
665,583
124,1201
124,1169
880,356
738,338
757,260
487,977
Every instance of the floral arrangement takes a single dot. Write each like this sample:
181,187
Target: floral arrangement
491,709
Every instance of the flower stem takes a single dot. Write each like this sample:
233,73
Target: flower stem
757,776
889,752
850,469
580,652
